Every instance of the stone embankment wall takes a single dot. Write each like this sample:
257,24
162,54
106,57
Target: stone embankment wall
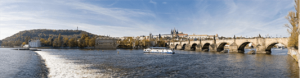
295,53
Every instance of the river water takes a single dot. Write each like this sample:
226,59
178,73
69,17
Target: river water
77,63
21,64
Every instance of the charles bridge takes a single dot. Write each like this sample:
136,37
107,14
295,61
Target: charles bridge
262,45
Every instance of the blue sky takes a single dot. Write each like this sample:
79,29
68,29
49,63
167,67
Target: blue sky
140,17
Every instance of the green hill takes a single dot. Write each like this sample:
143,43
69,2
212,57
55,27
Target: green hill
35,34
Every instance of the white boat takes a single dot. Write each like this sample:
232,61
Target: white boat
278,48
158,50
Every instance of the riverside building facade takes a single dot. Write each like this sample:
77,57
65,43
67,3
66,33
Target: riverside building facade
34,43
106,43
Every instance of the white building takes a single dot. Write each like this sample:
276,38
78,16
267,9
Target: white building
35,43
166,35
26,46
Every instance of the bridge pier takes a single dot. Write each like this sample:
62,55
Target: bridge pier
187,47
261,49
179,47
213,48
172,46
198,48
233,48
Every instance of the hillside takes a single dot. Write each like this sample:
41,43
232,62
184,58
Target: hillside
43,33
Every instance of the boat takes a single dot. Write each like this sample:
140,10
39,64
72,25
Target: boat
158,50
278,48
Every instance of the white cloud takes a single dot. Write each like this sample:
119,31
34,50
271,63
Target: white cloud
246,18
106,21
152,2
164,2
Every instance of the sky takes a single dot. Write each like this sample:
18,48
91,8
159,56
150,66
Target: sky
119,18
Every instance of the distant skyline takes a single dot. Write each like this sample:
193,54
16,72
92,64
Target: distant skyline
119,18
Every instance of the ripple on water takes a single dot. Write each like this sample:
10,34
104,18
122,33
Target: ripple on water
21,64
135,63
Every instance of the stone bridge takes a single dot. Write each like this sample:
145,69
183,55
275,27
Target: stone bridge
262,45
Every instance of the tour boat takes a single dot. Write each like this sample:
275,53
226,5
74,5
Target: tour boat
158,50
278,48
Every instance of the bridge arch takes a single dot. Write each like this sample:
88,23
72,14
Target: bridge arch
221,46
193,48
206,47
271,45
241,48
176,46
183,47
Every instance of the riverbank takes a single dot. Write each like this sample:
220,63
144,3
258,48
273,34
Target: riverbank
295,54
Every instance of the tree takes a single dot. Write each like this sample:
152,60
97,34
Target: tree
56,42
18,42
92,42
293,29
49,41
59,40
24,43
65,41
27,38
293,18
43,41
81,43
86,41
71,42
75,42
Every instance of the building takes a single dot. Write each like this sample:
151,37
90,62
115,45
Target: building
174,33
182,35
34,43
202,36
166,35
25,46
106,43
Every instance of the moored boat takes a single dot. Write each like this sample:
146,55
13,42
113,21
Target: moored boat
158,50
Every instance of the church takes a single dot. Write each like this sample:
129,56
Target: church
174,34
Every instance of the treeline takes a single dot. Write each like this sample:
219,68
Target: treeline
130,42
84,41
48,35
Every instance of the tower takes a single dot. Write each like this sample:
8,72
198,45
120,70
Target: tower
174,32
150,36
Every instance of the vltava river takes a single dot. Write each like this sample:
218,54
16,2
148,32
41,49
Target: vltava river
70,63
21,64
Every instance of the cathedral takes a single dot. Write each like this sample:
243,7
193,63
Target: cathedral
174,33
